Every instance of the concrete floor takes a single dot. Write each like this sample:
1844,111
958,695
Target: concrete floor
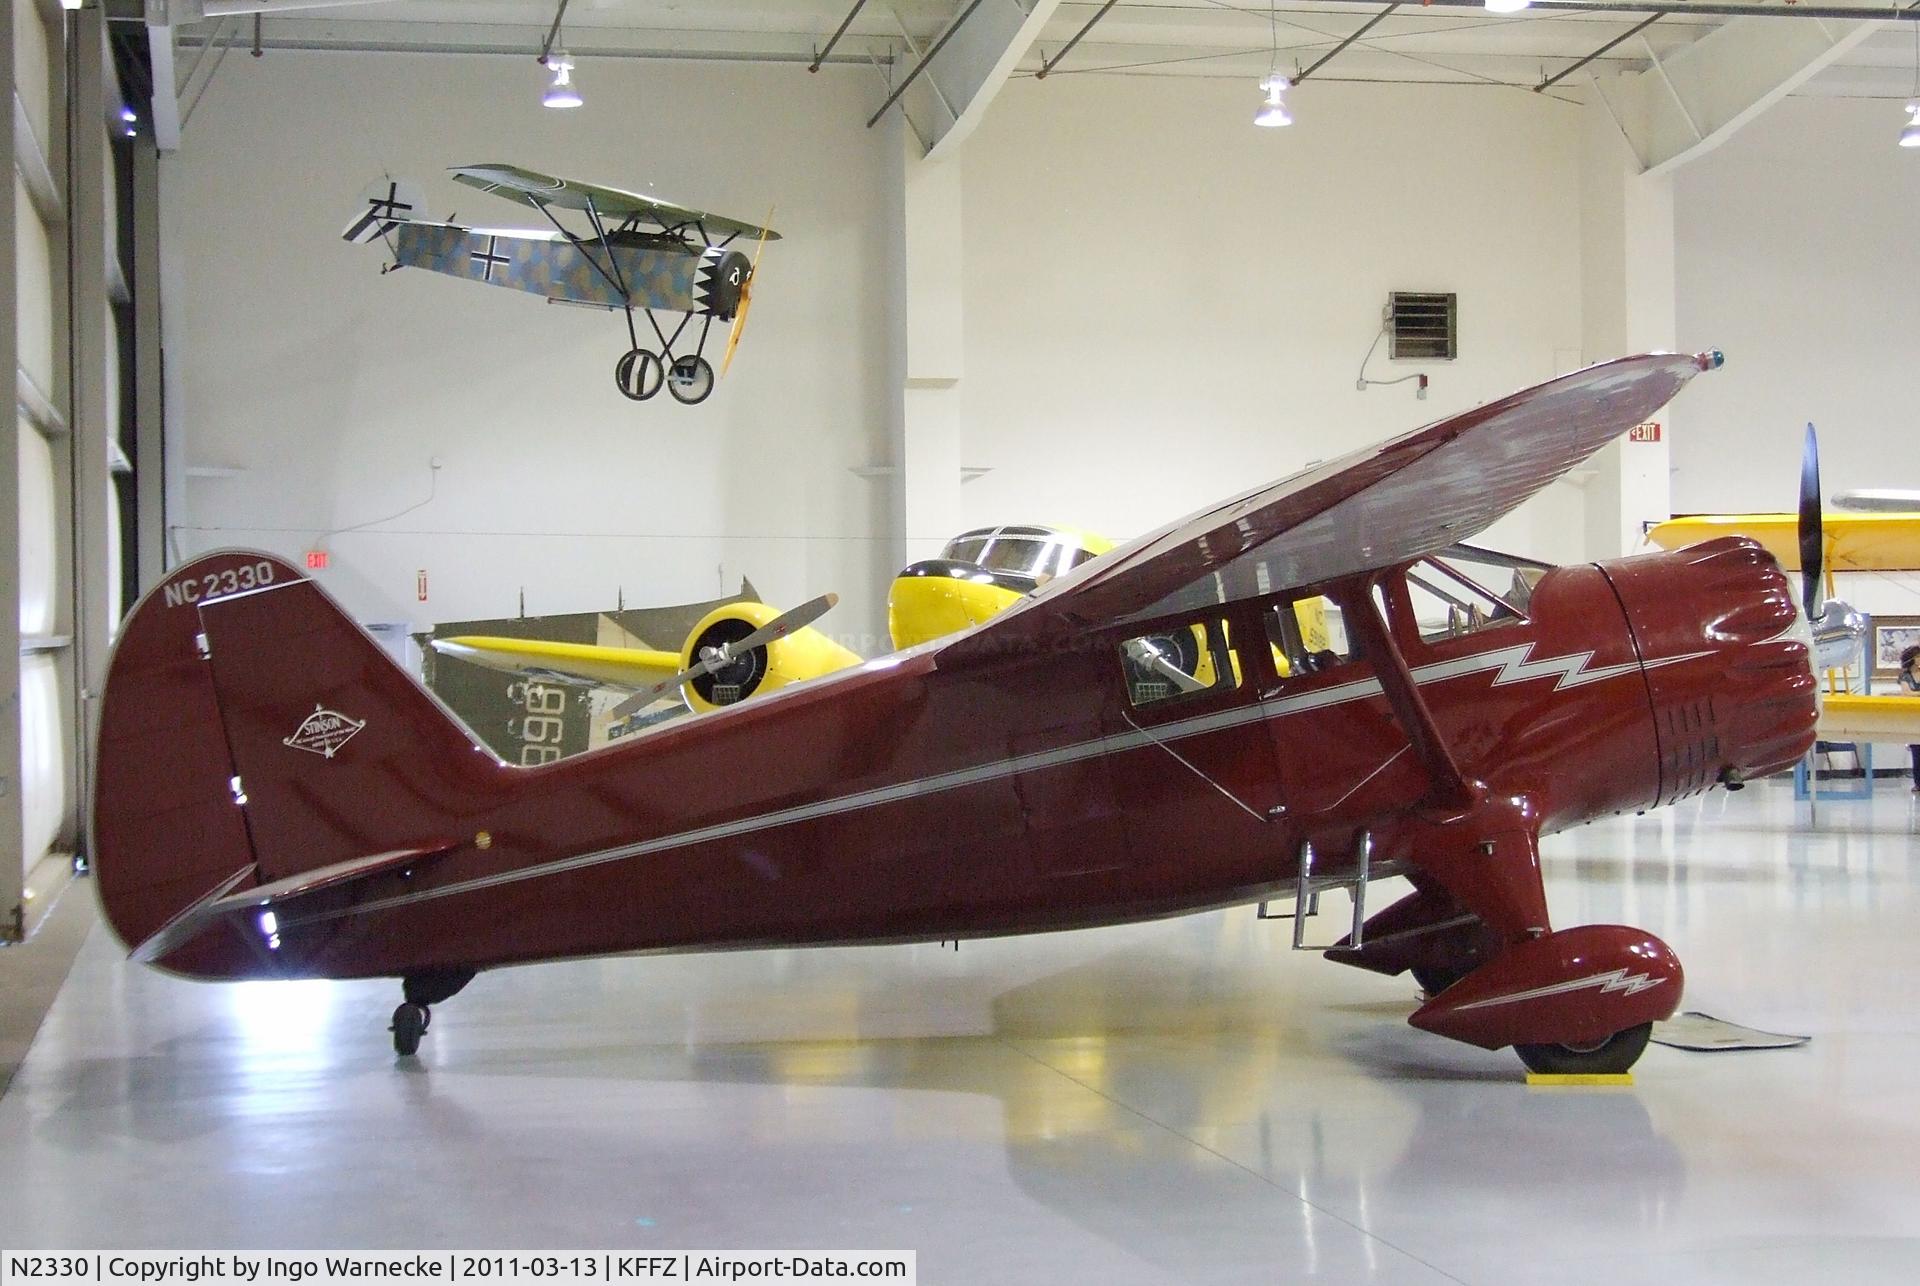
1180,1102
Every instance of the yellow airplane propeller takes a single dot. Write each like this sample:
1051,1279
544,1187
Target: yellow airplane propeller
746,297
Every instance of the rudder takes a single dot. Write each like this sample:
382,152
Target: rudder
251,731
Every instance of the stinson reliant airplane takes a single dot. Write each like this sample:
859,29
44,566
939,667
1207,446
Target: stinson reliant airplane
277,799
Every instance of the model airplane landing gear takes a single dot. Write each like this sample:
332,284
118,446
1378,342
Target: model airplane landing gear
639,374
413,1017
691,380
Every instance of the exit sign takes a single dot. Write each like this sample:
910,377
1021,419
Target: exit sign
317,559
1649,432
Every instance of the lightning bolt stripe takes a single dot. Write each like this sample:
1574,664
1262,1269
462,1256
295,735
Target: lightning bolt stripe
1611,981
1510,665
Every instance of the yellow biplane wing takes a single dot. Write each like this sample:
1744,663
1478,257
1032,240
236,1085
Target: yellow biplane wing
1852,717
580,664
1867,542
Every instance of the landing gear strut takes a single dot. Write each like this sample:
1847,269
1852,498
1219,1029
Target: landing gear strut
413,1017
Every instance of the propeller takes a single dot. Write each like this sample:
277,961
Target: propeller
1837,628
718,658
1812,542
746,296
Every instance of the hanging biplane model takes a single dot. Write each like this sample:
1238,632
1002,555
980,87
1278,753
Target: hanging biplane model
638,252
744,648
277,799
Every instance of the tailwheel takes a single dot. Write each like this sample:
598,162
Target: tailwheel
639,374
1609,1057
409,1025
690,380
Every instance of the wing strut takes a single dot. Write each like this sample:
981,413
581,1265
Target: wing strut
1448,788
613,277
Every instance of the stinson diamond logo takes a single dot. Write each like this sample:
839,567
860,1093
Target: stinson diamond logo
324,732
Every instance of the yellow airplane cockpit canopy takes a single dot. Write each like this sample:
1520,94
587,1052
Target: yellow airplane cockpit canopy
979,574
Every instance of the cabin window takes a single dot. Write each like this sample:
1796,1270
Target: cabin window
1186,661
1450,601
1308,635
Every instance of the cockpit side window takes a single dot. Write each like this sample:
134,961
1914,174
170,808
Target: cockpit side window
1308,635
1449,603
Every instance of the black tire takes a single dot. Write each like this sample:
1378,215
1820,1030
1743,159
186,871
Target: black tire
639,374
409,1025
691,380
1433,979
1611,1057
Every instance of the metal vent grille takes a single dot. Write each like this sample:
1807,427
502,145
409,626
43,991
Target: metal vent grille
1423,326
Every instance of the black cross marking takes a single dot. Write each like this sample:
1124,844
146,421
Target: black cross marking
391,204
489,258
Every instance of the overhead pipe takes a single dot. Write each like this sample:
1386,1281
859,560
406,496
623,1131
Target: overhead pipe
834,39
1565,72
1327,57
1048,64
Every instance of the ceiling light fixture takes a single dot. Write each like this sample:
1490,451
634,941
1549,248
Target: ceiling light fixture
1507,6
1274,113
563,92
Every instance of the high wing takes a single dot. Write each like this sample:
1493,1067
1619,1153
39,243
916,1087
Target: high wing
538,190
1856,542
1405,498
626,668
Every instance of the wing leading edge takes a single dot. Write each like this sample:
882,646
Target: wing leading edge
535,189
1404,498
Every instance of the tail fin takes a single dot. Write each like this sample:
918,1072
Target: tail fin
251,732
383,206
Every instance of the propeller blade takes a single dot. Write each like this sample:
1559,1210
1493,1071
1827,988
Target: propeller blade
719,658
746,297
1812,543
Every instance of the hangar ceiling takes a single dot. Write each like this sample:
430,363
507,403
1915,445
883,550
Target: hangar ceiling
1553,47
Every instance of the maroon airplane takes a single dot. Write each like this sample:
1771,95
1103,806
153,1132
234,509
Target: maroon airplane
1144,736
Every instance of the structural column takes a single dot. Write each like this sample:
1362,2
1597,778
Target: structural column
12,824
1627,306
87,198
927,439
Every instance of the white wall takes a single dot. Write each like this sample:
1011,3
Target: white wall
1799,255
1166,305
332,386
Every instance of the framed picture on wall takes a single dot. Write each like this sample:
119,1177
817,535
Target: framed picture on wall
1892,635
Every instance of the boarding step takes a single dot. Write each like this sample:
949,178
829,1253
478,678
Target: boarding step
1312,881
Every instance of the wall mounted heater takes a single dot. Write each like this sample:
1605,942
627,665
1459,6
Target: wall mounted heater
1423,326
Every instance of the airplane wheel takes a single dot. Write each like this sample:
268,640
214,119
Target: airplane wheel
1610,1057
409,1025
691,380
639,374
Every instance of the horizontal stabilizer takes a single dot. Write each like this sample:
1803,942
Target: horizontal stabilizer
196,918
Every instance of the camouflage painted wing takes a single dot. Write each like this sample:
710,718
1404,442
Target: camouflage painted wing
538,190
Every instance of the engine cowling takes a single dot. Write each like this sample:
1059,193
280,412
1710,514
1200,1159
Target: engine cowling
804,654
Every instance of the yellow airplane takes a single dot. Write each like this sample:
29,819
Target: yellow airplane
744,648
1876,541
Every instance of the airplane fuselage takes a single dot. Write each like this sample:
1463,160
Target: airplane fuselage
917,799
